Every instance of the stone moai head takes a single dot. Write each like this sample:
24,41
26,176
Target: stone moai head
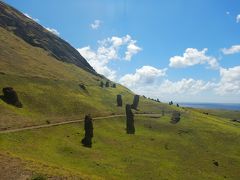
119,100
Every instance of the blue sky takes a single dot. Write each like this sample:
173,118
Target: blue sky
141,44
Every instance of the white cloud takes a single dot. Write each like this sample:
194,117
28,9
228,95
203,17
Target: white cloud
54,31
193,57
227,13
184,86
99,60
150,82
35,19
238,18
96,24
232,50
230,81
109,50
131,50
146,75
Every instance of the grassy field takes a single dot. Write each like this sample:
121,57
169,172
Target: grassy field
199,147
158,150
49,89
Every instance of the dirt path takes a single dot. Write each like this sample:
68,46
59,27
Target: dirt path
68,122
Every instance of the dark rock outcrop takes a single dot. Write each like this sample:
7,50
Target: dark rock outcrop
175,117
88,127
36,35
119,100
130,120
135,102
10,96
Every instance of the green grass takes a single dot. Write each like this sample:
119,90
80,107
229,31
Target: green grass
49,89
159,150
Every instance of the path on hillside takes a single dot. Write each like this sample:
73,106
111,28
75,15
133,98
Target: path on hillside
68,122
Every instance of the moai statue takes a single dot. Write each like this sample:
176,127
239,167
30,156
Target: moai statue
175,117
135,102
101,84
88,127
177,105
114,85
130,120
107,84
119,100
10,96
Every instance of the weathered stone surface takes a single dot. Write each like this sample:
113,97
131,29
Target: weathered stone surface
175,117
88,127
130,120
135,102
10,96
119,100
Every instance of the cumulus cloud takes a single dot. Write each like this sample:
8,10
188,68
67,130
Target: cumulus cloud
35,19
108,50
193,57
232,50
99,60
238,18
146,75
230,81
52,30
184,86
96,24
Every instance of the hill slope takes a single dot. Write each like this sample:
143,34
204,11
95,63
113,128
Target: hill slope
36,35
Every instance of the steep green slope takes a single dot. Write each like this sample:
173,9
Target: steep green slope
49,89
36,35
158,150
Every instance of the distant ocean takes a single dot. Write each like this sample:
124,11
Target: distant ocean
227,106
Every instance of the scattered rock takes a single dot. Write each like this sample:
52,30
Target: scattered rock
82,86
215,163
236,120
10,96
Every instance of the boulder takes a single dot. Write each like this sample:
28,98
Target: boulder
10,96
82,86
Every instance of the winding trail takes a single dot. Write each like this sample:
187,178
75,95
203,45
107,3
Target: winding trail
68,122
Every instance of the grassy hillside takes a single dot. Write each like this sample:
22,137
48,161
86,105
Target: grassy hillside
159,150
49,89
